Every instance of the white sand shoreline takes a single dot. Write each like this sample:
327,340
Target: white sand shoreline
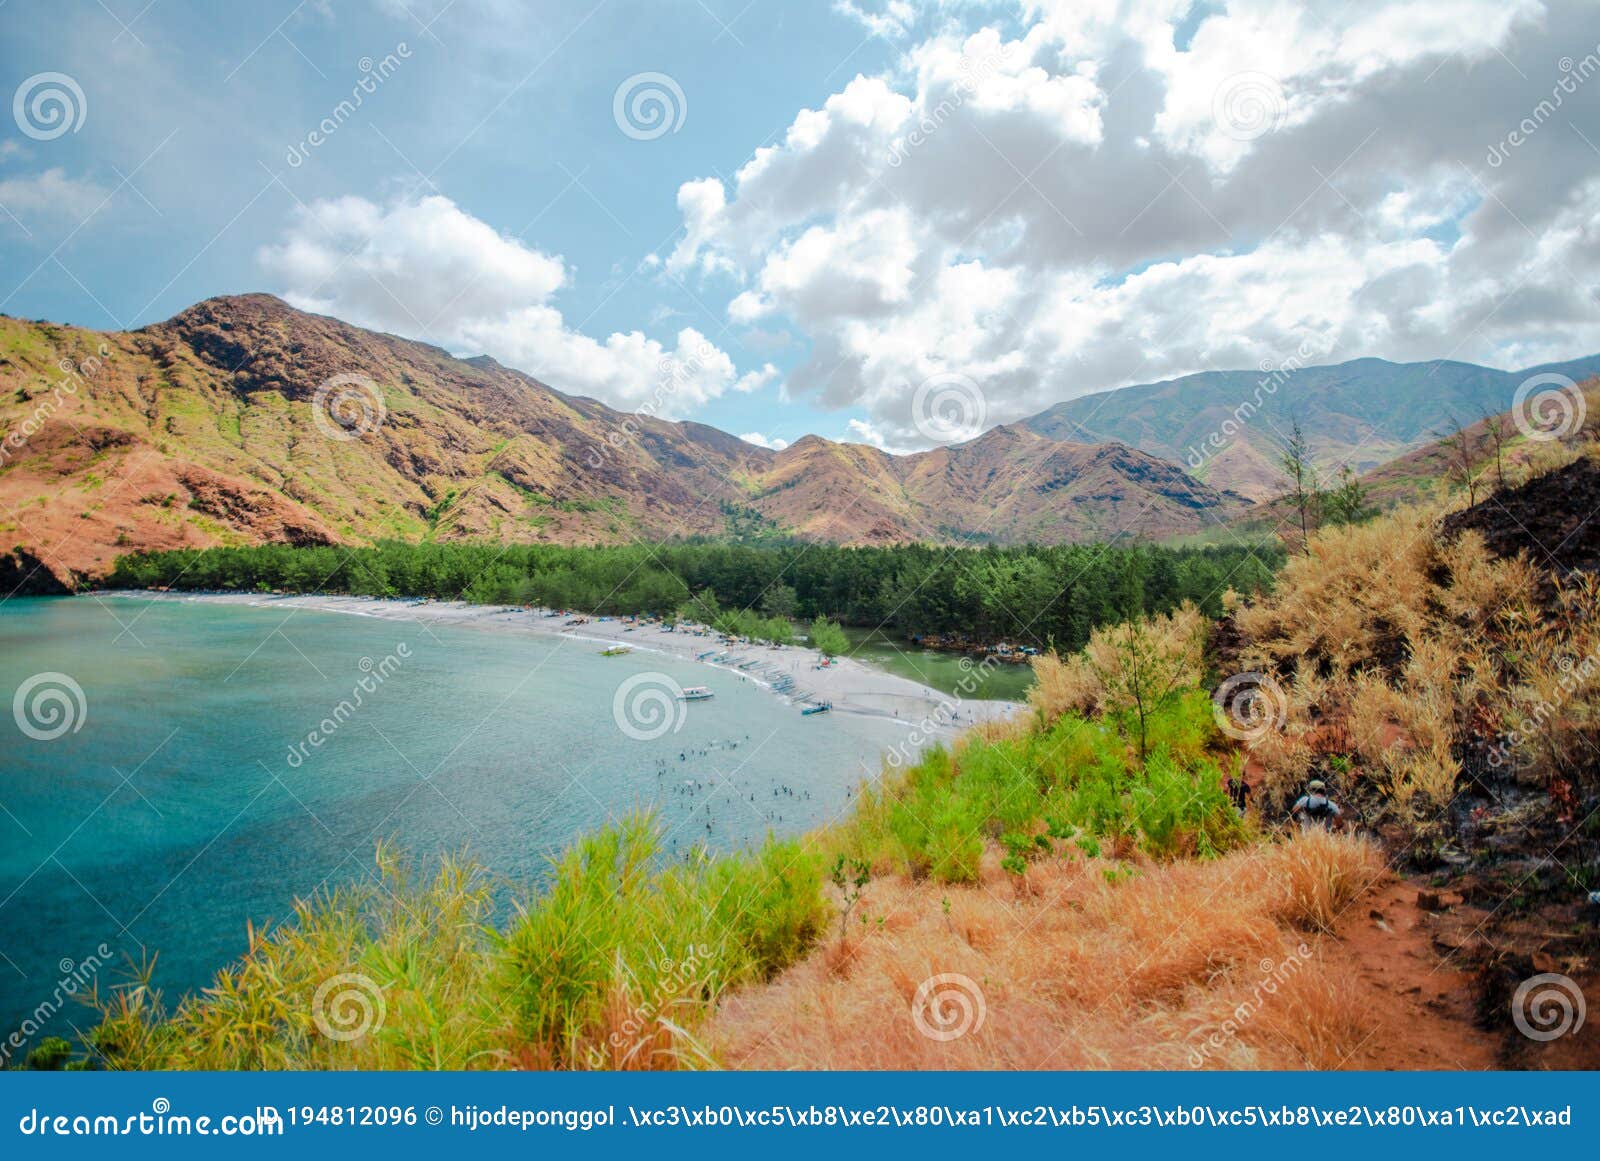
850,686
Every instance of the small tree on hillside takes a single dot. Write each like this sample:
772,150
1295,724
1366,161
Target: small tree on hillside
1347,504
1142,664
1304,495
1464,458
702,608
1499,433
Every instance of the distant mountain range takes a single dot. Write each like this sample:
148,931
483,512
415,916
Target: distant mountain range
243,420
1227,427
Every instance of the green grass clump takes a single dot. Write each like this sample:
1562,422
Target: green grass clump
613,966
1078,780
403,962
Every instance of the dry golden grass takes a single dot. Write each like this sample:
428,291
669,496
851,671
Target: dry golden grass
1382,637
1369,594
1210,964
1063,685
1173,643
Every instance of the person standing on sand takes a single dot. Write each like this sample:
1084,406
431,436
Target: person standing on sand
1315,809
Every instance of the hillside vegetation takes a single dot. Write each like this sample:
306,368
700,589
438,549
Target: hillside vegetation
244,421
1072,888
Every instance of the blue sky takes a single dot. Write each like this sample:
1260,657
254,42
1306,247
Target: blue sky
866,206
504,109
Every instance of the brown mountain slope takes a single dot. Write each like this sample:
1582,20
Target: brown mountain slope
209,428
1006,485
243,420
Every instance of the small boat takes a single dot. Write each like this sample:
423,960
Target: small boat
819,708
695,693
615,651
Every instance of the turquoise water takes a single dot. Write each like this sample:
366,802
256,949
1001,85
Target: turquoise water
188,795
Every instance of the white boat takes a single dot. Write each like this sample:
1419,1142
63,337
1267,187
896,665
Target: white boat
695,693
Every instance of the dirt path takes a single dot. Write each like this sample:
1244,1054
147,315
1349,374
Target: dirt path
1422,1003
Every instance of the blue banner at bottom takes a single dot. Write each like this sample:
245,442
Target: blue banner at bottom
682,1115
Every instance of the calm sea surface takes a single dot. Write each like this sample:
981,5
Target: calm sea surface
185,794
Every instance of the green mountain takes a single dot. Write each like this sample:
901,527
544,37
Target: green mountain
1226,427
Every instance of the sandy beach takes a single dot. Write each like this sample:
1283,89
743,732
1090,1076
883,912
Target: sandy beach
792,672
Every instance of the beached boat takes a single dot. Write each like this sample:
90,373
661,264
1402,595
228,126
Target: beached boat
695,693
819,708
615,651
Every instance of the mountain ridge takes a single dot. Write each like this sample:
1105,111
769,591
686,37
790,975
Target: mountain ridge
242,419
1226,427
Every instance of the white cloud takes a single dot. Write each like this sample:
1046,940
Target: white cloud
427,269
1067,201
893,21
771,443
52,193
860,431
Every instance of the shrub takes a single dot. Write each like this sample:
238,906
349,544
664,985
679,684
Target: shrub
1077,779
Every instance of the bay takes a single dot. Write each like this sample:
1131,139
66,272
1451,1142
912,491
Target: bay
215,762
